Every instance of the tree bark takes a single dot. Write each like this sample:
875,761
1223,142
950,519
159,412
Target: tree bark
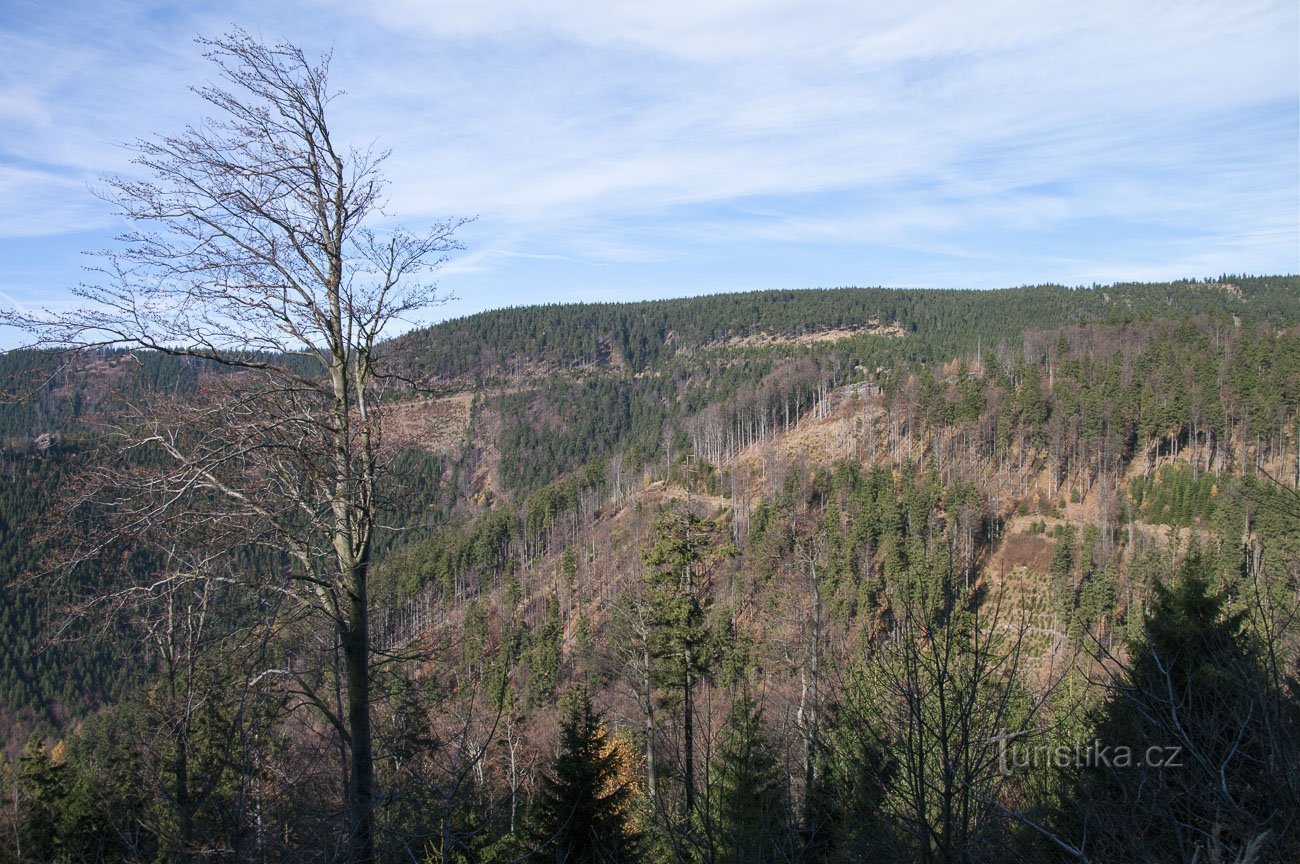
356,654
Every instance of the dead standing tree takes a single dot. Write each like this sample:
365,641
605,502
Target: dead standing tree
249,250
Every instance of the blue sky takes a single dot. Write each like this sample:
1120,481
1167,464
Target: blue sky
632,150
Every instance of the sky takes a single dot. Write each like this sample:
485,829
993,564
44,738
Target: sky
632,150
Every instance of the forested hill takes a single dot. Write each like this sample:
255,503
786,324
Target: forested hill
942,323
39,396
774,537
662,361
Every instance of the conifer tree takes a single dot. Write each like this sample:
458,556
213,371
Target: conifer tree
936,697
42,788
848,797
545,658
582,815
678,595
751,802
1191,749
1062,573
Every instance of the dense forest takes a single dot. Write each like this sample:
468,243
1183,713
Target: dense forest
815,576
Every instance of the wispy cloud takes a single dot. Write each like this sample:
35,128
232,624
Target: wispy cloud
693,143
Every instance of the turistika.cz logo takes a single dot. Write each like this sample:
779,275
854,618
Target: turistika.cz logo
1017,755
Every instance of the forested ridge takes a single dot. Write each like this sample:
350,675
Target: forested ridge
946,322
666,591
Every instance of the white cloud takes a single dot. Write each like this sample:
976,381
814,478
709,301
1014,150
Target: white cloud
38,203
630,133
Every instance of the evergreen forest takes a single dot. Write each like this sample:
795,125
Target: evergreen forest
835,575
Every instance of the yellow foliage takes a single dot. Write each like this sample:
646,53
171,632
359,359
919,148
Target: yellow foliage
626,758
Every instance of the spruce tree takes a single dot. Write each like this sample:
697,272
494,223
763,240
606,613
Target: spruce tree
546,656
1194,750
677,589
751,802
41,789
581,816
1062,574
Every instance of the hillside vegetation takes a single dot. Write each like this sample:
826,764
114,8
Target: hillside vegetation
813,575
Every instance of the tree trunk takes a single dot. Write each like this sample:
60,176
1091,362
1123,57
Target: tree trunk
356,654
688,735
648,686
688,696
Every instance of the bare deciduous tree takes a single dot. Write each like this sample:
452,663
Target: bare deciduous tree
250,251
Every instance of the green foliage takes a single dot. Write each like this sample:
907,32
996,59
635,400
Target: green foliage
42,679
568,424
1097,597
544,656
582,812
1202,723
1062,573
677,588
601,394
455,559
43,784
749,799
853,777
73,809
1178,495
936,698
939,324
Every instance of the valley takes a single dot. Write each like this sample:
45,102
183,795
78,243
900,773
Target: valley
800,557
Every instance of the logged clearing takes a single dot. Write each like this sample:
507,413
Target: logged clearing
433,425
812,337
